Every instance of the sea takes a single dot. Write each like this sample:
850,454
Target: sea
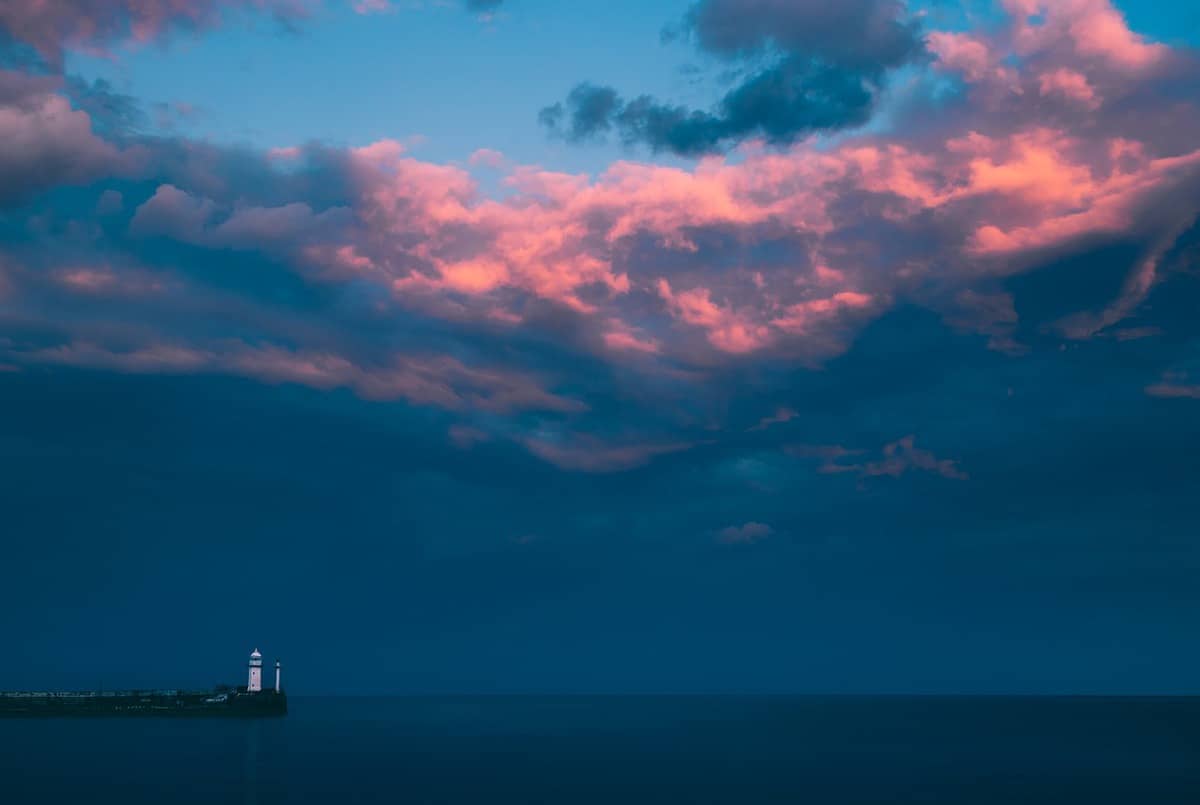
613,750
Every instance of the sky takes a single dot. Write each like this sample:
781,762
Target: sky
526,346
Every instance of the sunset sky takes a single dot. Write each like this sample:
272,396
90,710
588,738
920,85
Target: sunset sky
601,345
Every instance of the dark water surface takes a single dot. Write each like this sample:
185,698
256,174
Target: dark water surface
623,750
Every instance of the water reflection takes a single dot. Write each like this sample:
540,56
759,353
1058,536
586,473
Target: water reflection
250,768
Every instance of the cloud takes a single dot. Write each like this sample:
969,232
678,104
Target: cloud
1174,390
47,142
437,381
781,416
663,294
873,32
903,456
587,454
1174,385
896,459
371,6
589,112
424,234
465,437
991,314
1069,84
825,70
488,158
1092,28
103,281
51,25
728,330
746,534
780,104
621,337
111,113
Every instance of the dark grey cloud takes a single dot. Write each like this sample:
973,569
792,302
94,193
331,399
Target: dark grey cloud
588,112
112,112
868,33
824,68
47,142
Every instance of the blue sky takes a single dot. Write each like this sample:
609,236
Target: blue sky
397,75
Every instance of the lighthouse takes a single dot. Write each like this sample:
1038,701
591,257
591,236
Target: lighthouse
277,688
254,685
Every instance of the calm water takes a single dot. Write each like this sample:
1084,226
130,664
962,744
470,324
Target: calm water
623,750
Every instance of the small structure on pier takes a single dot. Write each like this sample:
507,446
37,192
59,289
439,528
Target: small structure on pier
254,685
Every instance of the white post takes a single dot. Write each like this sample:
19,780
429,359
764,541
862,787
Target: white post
277,676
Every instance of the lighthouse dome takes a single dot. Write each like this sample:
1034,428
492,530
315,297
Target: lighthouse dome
256,655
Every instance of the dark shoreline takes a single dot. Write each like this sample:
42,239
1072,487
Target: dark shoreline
234,703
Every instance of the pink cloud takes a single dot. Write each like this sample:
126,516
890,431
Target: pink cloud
781,416
429,235
903,456
1098,28
830,456
339,263
465,437
471,276
1174,390
800,318
1174,385
286,152
1065,196
153,358
1069,84
661,267
438,381
46,141
1020,190
1094,28
829,276
50,25
619,336
1137,287
746,534
587,454
962,53
896,459
727,330
371,6
488,158
104,281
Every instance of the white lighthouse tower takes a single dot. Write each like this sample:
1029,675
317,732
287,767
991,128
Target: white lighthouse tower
254,685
